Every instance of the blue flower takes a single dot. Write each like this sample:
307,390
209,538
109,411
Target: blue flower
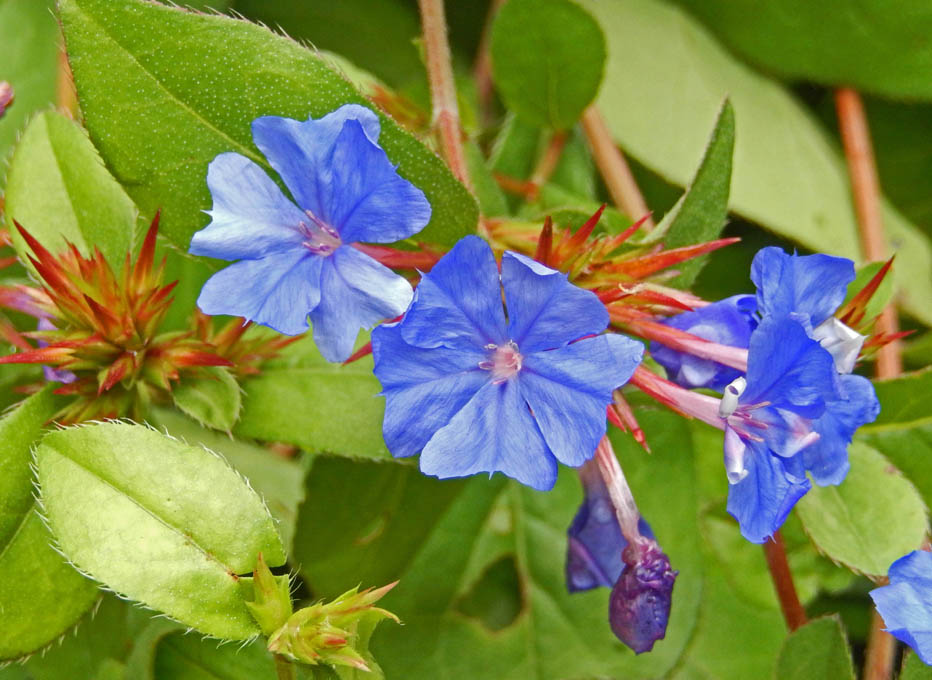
906,604
770,417
297,261
594,539
474,391
727,322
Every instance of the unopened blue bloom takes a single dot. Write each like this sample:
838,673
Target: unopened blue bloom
296,259
475,391
594,539
727,322
639,606
906,604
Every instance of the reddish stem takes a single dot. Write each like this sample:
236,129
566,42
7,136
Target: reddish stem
547,163
793,611
482,70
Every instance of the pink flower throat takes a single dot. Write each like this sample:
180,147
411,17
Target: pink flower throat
505,361
322,239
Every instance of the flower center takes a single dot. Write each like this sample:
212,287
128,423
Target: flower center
320,237
504,361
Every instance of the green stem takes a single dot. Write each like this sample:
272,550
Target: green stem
285,668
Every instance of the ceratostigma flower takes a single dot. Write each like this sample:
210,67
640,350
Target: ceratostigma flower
297,261
906,604
474,391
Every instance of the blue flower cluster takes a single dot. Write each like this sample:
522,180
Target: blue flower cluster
798,406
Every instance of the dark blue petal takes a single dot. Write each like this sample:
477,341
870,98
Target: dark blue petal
762,500
277,291
827,459
251,216
788,369
545,310
355,292
812,285
906,604
459,302
569,388
493,432
299,151
639,606
368,200
423,388
727,322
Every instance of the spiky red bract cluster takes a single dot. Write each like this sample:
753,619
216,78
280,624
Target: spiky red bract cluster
105,331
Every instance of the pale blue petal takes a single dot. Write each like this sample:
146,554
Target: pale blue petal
299,150
251,217
355,292
278,291
813,285
459,302
369,200
762,500
827,459
493,432
906,604
569,388
423,388
545,310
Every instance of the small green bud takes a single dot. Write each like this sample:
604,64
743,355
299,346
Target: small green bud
271,605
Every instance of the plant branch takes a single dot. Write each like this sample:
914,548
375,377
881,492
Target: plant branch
482,69
446,119
614,169
284,668
793,611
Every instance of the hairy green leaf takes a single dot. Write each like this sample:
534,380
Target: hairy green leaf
161,522
547,60
59,190
665,78
41,595
213,399
817,650
187,657
870,520
160,110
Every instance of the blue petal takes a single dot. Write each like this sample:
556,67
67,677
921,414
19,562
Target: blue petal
251,216
545,310
277,291
762,500
459,302
789,369
299,150
813,285
827,459
906,604
369,200
493,432
727,322
569,388
423,388
355,292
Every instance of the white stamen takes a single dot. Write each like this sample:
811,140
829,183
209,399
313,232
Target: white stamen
729,401
734,457
842,342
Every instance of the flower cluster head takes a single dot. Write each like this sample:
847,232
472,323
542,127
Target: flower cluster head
296,259
475,390
906,604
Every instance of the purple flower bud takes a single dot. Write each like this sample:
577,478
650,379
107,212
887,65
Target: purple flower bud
639,607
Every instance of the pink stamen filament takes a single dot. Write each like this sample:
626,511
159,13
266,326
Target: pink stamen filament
506,361
322,239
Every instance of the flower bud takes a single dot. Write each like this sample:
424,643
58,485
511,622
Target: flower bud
639,606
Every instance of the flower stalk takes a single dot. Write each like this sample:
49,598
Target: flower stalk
777,564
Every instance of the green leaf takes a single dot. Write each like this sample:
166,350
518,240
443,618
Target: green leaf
700,213
279,481
547,60
59,190
867,45
30,40
213,400
914,668
665,78
817,650
187,657
446,540
904,399
302,399
41,595
874,517
909,447
161,109
161,522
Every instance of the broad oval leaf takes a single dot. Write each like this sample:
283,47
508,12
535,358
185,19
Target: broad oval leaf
59,190
212,399
547,60
161,522
665,78
42,596
871,519
163,91
817,650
